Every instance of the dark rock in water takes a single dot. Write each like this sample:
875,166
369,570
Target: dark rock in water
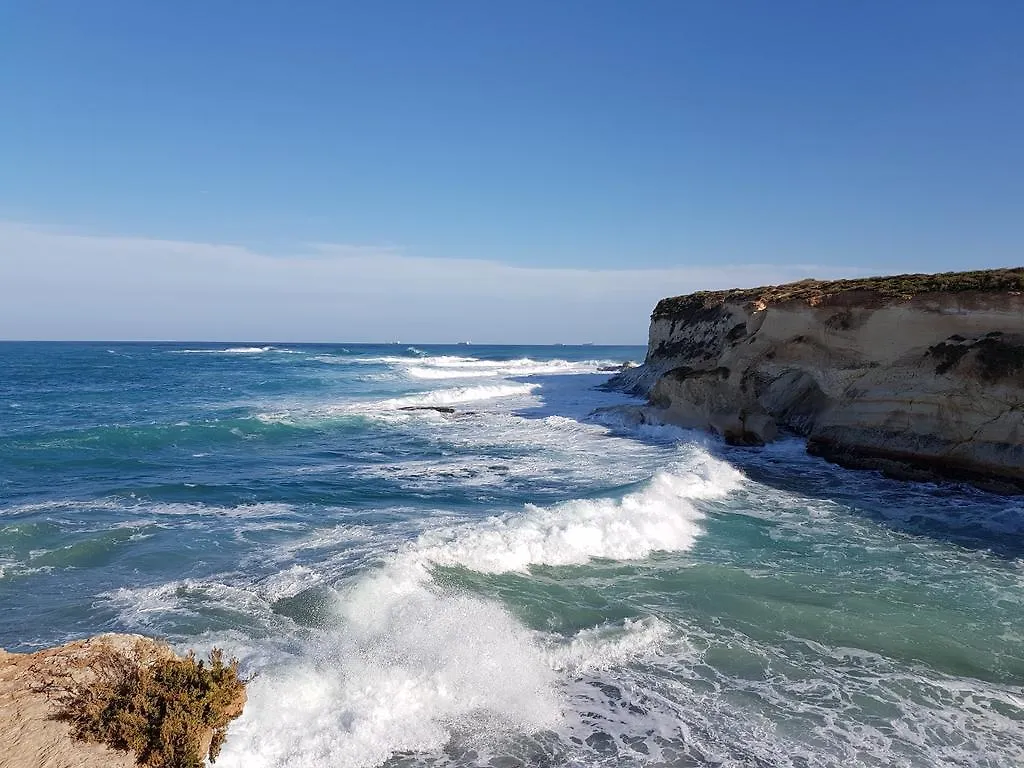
438,408
617,368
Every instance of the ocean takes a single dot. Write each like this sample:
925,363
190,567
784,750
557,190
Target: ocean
516,579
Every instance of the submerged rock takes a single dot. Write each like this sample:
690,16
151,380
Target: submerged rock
616,368
920,376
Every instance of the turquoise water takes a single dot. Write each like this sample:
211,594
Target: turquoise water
518,582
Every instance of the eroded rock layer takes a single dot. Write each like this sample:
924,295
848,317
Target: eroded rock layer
921,376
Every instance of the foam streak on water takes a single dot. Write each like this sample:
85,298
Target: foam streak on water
507,580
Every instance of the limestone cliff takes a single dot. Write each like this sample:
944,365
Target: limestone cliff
921,376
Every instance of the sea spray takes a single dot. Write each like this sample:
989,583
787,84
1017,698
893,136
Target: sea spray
402,671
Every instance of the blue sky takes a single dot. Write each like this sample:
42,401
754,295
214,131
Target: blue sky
667,146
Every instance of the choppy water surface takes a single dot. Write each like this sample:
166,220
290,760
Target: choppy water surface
514,583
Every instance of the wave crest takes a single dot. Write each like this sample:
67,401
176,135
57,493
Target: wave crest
411,665
659,517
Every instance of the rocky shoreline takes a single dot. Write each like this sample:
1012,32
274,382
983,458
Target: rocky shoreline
919,376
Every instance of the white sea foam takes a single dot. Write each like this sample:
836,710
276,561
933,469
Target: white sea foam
449,367
401,676
609,645
424,366
392,408
59,504
236,351
149,608
455,395
224,351
501,449
659,517
138,512
410,665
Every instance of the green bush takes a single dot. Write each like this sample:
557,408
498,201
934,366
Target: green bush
164,711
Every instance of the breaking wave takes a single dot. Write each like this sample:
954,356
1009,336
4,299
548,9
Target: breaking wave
410,666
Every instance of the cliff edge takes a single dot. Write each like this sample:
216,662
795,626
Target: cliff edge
921,376
97,703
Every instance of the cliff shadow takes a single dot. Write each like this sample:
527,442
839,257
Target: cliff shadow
957,513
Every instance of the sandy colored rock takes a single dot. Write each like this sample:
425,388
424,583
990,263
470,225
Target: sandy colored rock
921,384
29,736
31,685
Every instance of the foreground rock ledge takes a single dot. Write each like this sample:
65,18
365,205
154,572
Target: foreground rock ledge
920,376
30,736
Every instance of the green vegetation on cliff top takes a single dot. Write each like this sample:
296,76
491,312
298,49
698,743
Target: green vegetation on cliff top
891,287
172,713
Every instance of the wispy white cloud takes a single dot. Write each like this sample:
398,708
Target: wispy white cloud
60,285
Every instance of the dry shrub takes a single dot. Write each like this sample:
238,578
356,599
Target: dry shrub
163,711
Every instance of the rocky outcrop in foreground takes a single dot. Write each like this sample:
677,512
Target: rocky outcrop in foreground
52,701
921,376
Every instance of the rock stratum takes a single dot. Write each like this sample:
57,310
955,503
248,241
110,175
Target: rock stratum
920,376
34,690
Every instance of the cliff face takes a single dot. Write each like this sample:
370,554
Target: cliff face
920,376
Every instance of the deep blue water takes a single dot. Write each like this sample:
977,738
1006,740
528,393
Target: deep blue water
524,580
